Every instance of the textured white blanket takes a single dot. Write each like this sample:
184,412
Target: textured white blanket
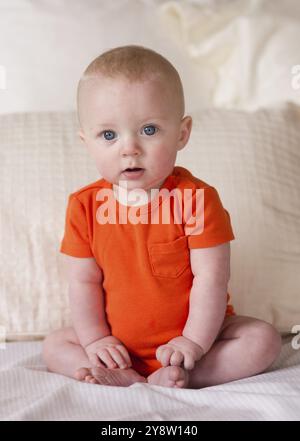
29,392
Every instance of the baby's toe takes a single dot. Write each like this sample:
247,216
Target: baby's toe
178,376
81,373
91,379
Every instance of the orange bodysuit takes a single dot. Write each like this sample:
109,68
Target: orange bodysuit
145,262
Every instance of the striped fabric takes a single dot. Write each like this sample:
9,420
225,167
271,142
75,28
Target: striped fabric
29,392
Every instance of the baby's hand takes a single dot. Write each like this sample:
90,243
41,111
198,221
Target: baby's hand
108,352
179,350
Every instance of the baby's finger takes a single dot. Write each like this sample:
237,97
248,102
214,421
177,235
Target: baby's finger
165,356
95,360
159,351
125,354
105,357
176,358
117,357
189,361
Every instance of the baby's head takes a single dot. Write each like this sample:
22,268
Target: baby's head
131,113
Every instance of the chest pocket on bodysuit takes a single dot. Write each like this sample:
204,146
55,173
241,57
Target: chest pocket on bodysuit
169,259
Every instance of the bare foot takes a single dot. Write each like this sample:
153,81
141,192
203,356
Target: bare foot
170,376
109,377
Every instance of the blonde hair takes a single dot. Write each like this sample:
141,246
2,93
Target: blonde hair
135,63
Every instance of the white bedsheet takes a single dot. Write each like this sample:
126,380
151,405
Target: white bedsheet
29,392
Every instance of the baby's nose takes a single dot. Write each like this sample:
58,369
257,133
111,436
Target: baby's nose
130,148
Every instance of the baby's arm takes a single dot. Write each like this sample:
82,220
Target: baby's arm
207,306
208,297
88,313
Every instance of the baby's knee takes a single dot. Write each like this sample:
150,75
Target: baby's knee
267,340
52,340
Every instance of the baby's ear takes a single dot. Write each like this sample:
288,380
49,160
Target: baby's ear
185,131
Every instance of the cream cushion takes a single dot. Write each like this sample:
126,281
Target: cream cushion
42,161
252,159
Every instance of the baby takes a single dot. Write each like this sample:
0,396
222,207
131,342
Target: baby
148,293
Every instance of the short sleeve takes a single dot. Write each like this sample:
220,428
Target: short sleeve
75,241
209,223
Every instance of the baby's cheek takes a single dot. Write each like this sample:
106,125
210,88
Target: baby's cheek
164,157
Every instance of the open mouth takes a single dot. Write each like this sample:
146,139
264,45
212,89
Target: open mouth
135,169
133,173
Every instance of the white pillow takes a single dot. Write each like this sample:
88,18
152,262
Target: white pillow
251,158
46,45
250,48
233,53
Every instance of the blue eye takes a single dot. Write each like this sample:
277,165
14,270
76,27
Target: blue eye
149,130
108,135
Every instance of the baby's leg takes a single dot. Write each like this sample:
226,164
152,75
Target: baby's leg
244,347
64,355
